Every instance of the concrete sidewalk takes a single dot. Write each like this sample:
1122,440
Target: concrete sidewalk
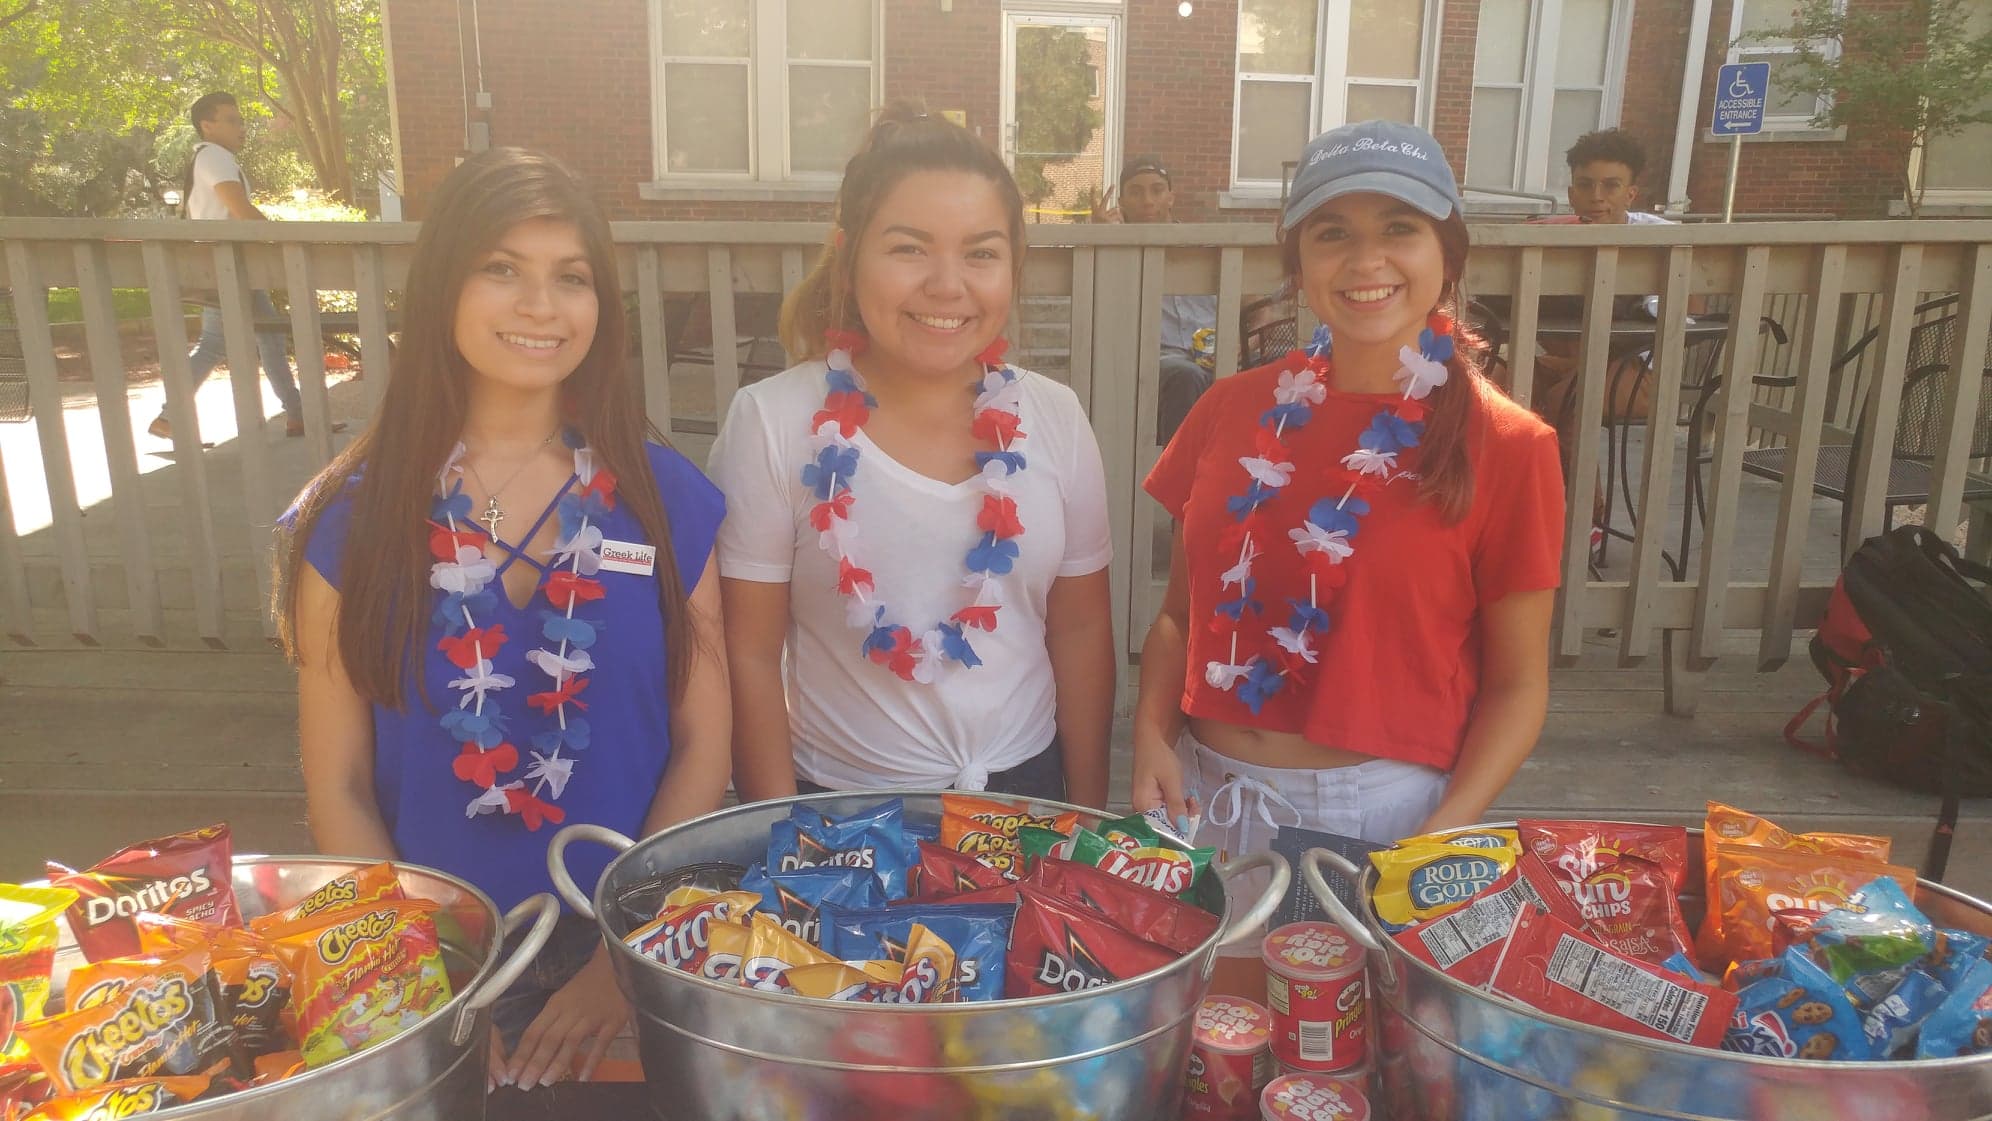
103,748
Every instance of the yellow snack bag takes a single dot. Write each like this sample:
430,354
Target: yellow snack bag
1419,882
771,952
27,957
362,975
928,976
1469,838
868,982
726,948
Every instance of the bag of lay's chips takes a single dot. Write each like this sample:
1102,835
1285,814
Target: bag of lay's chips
255,986
27,957
1149,915
362,975
794,897
942,872
863,982
1419,882
1036,842
1753,884
1797,1013
771,952
1727,825
681,936
874,840
134,1020
185,875
136,1098
986,828
362,885
979,934
1962,1024
1129,849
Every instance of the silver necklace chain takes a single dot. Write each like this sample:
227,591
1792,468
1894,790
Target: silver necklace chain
493,513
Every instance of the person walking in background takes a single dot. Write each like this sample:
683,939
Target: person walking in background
217,190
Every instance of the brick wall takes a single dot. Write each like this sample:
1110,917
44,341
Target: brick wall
1180,86
1656,56
1452,96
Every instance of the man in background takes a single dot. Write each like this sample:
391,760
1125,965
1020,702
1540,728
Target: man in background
1189,323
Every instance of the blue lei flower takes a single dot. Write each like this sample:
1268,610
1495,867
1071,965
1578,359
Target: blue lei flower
831,473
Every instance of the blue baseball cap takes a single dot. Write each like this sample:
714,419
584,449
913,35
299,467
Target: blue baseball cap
1387,157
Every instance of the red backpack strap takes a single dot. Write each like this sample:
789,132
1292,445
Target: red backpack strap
1825,749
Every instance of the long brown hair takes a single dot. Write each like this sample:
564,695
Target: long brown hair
390,471
905,139
1445,465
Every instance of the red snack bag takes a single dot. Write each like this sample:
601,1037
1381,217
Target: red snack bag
1578,848
185,876
23,1085
1465,944
1552,966
1148,915
944,872
1628,904
1058,946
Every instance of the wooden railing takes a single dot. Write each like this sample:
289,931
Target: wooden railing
200,569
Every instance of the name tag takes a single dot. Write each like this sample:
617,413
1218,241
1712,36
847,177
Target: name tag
629,558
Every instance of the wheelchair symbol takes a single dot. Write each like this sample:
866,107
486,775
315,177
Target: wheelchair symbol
1739,87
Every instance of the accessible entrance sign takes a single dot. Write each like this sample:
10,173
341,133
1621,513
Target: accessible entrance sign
1741,89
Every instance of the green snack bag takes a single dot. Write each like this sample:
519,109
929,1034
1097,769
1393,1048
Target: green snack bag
1144,858
1037,842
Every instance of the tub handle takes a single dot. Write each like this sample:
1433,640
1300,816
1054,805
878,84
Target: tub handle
556,861
544,912
1255,917
1364,934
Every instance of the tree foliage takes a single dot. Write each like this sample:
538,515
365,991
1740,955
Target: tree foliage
1056,115
115,78
1913,72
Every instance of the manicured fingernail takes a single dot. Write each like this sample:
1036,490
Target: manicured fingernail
549,1079
504,1078
1183,825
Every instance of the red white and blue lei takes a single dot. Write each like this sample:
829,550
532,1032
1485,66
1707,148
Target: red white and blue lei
1326,537
830,477
463,573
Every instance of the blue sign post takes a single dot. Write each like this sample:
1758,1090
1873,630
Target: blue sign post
1741,89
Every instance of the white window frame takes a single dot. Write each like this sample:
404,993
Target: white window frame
1109,78
1533,159
1328,99
1759,52
769,155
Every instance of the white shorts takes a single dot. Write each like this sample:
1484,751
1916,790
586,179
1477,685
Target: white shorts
1244,805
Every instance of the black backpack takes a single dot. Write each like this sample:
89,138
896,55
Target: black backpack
1906,650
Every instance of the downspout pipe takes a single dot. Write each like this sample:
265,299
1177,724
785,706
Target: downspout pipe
1688,125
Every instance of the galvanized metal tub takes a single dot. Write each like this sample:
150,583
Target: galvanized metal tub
434,1071
717,1052
1453,1052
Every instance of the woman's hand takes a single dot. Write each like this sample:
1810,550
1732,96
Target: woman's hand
587,1012
1158,781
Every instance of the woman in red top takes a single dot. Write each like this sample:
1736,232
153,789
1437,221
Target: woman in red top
1367,540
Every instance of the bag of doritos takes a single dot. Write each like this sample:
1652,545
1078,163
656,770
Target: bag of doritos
134,1019
362,975
140,1097
185,875
942,872
1057,946
874,839
362,885
1149,915
986,828
794,897
979,933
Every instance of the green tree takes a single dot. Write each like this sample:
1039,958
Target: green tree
1055,93
1911,73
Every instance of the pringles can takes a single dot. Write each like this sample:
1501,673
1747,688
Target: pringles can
1230,1060
1312,1097
1319,997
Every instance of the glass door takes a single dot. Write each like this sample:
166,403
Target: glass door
1061,110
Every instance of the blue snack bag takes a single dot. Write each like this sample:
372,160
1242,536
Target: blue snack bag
1953,955
1800,1014
1685,966
1892,1023
978,932
874,839
794,897
1962,1024
1868,943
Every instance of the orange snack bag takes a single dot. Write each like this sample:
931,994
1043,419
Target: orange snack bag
276,1066
1727,825
255,986
370,884
771,952
986,828
135,1019
362,975
137,1097
1754,884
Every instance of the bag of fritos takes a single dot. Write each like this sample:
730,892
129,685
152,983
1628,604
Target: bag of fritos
362,975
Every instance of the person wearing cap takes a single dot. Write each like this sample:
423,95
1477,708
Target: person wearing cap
1355,637
1189,323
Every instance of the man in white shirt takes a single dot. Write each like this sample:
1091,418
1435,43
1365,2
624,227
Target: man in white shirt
217,190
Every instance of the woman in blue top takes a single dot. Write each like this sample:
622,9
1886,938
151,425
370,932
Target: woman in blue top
500,598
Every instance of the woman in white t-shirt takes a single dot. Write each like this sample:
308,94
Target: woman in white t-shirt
914,559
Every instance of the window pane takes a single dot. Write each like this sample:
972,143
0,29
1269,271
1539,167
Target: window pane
1959,162
1385,39
828,108
1501,47
705,117
1767,15
1583,42
1784,101
1491,139
1388,103
1572,114
830,29
1272,126
1276,36
704,28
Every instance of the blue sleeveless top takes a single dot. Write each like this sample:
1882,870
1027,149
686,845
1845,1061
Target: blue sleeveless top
628,714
